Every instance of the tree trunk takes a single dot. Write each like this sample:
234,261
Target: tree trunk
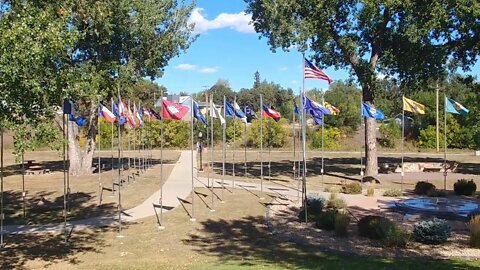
371,162
81,161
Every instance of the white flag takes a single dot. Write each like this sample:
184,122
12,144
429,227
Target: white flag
239,113
215,113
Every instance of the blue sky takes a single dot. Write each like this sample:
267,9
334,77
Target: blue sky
228,48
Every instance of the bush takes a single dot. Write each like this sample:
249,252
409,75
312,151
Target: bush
333,189
465,187
352,188
315,204
374,227
423,188
436,193
392,193
326,220
341,224
331,138
397,237
391,134
371,191
274,133
336,203
434,231
474,225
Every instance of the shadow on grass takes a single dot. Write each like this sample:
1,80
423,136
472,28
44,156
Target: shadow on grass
47,249
247,242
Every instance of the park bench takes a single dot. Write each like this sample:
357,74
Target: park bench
36,169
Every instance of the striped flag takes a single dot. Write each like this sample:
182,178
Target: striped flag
313,72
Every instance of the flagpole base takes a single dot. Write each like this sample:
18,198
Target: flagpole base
261,198
161,228
212,210
193,219
120,236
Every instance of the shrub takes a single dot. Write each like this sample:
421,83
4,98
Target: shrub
374,227
474,225
315,204
423,188
333,189
434,231
392,193
352,188
326,220
371,191
331,138
397,237
336,203
465,187
436,193
390,134
341,224
274,133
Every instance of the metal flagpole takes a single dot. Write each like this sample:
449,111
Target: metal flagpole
64,177
362,121
294,151
211,144
211,150
245,146
2,215
144,142
304,158
23,184
269,149
445,145
192,167
323,149
129,135
68,168
120,165
99,159
234,133
261,146
111,151
161,227
403,141
223,149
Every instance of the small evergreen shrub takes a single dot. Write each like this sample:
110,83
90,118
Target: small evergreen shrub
341,224
397,237
474,225
374,227
434,231
326,220
316,201
392,193
352,188
315,204
423,188
391,134
371,191
436,193
465,187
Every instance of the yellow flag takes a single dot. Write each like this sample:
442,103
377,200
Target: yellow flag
333,110
413,106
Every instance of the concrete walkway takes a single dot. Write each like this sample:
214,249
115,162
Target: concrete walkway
177,187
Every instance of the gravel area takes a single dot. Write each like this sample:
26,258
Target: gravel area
283,222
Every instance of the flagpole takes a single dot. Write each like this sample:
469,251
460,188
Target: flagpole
234,133
269,149
99,160
362,121
224,150
119,173
304,158
68,171
111,149
129,144
294,148
192,167
323,127
445,146
211,146
161,227
64,175
403,141
261,146
245,145
2,215
23,185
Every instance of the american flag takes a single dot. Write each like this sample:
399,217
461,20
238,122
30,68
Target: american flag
313,72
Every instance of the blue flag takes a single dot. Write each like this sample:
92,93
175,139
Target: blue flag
372,112
197,114
296,110
121,119
155,114
314,108
452,106
229,111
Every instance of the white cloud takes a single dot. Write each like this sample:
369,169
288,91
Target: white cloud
208,70
186,67
239,22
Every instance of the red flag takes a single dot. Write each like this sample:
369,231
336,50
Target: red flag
175,111
271,113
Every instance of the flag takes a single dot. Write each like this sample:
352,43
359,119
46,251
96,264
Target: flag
155,115
215,113
148,113
172,110
313,72
239,113
296,110
139,116
372,112
452,106
68,107
121,106
106,113
131,117
270,112
79,120
229,111
413,106
314,108
197,114
249,112
115,111
333,110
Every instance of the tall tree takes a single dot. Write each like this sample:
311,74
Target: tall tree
407,39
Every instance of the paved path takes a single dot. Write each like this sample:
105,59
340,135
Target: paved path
177,187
